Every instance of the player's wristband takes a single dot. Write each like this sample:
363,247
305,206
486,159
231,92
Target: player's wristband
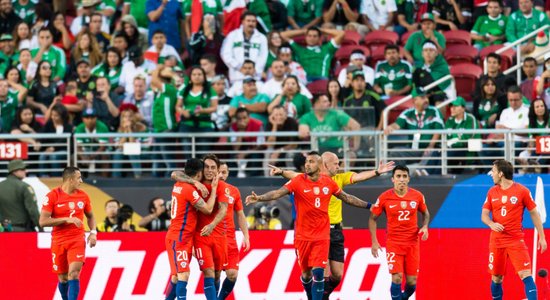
369,205
377,173
93,231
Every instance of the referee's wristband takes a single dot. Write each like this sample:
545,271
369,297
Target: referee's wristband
93,231
369,205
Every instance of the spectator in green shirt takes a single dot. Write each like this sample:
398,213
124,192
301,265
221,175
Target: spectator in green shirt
304,14
92,150
457,143
47,51
489,30
294,103
524,21
111,67
432,68
255,102
413,47
539,118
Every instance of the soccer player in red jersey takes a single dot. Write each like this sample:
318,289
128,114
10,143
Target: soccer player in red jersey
186,201
236,205
401,205
506,201
312,192
64,209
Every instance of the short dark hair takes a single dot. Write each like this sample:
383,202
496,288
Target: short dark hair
69,172
317,97
514,89
210,57
391,47
246,14
152,203
314,29
496,1
193,166
401,168
96,14
495,56
114,201
505,167
212,157
223,163
158,31
249,61
120,35
241,110
531,59
313,153
45,29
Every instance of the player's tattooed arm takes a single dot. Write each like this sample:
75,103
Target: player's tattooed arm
276,171
272,195
179,176
353,201
222,210
375,248
206,207
425,221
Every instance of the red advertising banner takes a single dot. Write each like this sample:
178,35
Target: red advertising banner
135,266
542,145
13,150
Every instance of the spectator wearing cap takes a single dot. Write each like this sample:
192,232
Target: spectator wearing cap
104,102
378,15
83,21
315,59
274,86
357,59
450,15
129,123
8,56
159,50
55,155
414,46
245,43
290,65
340,12
165,14
48,52
489,29
409,15
432,68
457,143
255,102
290,98
221,117
362,96
393,76
142,99
91,149
136,65
18,200
304,14
524,21
248,69
84,79
8,17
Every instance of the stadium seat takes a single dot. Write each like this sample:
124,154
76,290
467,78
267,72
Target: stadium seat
318,87
352,38
343,54
457,37
507,56
465,76
405,37
456,54
380,38
396,111
300,40
339,69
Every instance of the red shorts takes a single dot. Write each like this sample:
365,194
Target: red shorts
232,255
518,254
211,252
312,253
179,255
403,259
65,253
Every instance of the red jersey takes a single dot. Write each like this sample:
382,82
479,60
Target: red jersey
311,199
234,204
183,212
402,214
63,205
203,220
507,207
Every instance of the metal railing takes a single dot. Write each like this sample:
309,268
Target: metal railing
158,154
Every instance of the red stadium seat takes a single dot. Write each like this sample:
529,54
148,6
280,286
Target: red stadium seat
405,37
352,38
507,56
318,87
339,69
457,37
396,111
300,40
343,54
380,38
465,76
456,54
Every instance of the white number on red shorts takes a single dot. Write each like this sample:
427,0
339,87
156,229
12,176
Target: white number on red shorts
182,255
198,253
390,256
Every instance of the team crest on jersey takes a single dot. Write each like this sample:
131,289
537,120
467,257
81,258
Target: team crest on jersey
71,205
201,262
183,264
403,204
80,204
316,190
504,199
514,200
413,204
325,190
390,266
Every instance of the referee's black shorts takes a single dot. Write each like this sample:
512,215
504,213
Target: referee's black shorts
336,251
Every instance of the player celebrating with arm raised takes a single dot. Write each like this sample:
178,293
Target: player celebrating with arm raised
186,201
312,192
331,167
506,201
64,209
401,205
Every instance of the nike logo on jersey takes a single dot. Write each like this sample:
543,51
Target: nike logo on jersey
307,191
324,262
60,205
526,264
225,265
392,206
79,256
494,199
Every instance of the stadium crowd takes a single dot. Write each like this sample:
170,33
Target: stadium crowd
163,66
